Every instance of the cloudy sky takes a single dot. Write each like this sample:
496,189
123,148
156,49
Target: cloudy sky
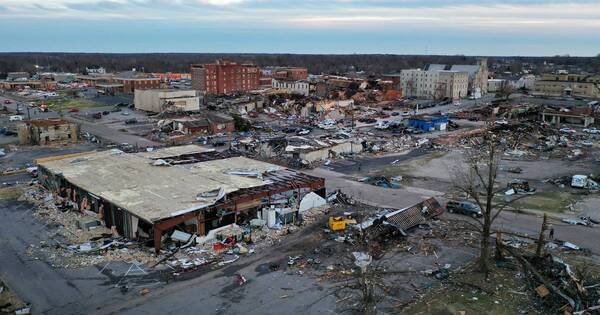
470,27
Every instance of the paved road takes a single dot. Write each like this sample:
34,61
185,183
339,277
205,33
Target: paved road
99,130
50,290
112,135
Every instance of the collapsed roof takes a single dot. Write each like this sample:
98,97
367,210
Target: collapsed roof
154,191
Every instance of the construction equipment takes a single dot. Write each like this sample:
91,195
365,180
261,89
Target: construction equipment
339,223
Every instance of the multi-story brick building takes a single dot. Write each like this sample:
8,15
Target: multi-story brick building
132,84
282,73
225,77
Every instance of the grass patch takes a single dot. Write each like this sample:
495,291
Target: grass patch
67,103
556,202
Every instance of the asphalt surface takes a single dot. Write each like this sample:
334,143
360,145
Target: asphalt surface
367,164
97,129
98,289
51,290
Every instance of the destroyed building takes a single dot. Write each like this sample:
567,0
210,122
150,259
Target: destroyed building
47,131
189,188
208,123
312,150
582,116
159,100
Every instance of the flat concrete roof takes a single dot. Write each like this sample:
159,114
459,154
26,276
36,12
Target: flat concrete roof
168,152
153,193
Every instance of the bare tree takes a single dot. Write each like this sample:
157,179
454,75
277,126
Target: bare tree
506,90
478,181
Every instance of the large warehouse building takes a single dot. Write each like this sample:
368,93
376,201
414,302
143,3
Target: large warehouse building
188,187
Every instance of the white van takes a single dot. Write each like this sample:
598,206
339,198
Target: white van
16,118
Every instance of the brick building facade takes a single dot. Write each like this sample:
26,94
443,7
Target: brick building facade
225,77
132,84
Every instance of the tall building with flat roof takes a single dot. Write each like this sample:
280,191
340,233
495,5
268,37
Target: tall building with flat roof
225,77
434,84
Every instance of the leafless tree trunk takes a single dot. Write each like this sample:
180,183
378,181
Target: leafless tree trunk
477,182
540,242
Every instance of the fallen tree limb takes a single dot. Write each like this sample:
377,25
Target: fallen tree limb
529,267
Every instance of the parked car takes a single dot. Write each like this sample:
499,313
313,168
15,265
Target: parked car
16,118
464,207
7,102
591,130
303,132
73,110
97,115
131,121
105,112
567,130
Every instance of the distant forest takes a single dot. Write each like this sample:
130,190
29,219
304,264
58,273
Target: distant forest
316,64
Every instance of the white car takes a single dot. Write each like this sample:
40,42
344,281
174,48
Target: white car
591,130
382,125
16,118
567,130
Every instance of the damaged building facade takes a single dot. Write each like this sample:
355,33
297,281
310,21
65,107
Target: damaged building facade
159,100
581,116
47,131
186,188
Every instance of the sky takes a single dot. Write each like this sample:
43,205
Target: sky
444,27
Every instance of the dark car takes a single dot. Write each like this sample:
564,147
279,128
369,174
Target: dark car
97,115
131,121
105,112
464,207
395,114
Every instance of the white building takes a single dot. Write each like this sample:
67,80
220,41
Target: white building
292,87
434,84
99,70
159,100
496,85
527,81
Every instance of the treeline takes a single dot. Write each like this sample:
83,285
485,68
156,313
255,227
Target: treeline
329,64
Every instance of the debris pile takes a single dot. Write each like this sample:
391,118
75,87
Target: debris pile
559,288
71,245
